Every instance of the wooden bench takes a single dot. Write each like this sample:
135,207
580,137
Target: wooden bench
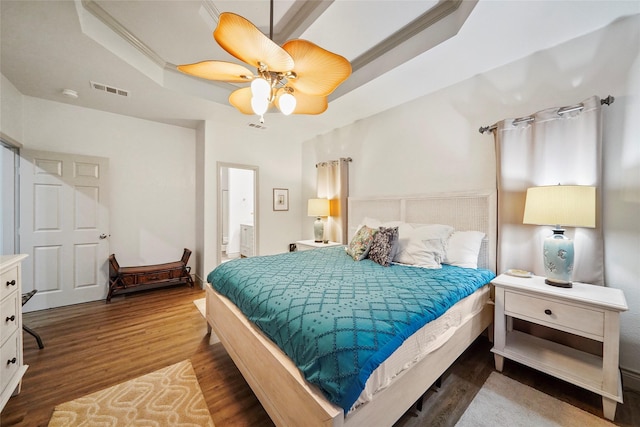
129,279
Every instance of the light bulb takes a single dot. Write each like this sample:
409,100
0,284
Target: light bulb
287,103
259,105
260,88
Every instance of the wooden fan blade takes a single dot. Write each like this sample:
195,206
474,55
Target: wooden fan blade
241,99
319,72
218,70
308,104
244,40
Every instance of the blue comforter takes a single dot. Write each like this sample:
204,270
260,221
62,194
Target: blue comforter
336,318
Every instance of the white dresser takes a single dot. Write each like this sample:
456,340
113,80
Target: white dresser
11,366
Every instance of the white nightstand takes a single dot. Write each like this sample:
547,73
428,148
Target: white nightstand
305,245
585,310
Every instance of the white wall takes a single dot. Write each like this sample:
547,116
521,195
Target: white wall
433,143
10,109
151,174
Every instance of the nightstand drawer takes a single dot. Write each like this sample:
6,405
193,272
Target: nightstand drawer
570,318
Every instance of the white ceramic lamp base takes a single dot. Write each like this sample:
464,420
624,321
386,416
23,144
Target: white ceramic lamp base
318,230
558,259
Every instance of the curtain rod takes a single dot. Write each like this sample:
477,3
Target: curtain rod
344,159
608,101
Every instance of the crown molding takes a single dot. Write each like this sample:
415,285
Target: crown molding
97,11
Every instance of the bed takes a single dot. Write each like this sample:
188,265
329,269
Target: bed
279,384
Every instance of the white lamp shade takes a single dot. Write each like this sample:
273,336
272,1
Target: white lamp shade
260,88
318,207
562,205
259,105
287,103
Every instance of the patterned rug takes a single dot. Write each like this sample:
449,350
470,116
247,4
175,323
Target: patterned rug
170,396
504,402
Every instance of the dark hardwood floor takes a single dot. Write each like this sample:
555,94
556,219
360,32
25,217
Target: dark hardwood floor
92,346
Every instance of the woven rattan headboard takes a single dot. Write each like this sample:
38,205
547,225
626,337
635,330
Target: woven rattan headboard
463,211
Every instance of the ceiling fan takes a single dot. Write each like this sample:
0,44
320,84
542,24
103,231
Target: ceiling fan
296,77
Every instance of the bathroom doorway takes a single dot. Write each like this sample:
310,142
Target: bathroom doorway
237,211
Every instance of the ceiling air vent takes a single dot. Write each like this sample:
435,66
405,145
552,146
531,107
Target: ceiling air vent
257,126
109,89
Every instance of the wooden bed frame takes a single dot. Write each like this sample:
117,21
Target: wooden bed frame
286,396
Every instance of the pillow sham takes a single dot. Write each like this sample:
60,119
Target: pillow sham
427,253
359,245
463,249
422,244
384,246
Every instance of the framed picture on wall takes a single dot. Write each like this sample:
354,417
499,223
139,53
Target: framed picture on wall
280,199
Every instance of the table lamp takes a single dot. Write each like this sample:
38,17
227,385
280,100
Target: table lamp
318,208
560,205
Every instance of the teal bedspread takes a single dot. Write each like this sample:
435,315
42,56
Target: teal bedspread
336,318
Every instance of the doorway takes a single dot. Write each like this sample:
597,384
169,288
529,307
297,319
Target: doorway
237,224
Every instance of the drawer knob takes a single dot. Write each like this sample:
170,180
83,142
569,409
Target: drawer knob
12,361
548,312
11,283
10,319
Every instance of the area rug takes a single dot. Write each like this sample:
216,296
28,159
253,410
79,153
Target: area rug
170,396
504,402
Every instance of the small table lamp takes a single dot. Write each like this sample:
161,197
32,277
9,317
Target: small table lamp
318,208
568,205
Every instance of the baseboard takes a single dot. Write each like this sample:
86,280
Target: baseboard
198,281
630,379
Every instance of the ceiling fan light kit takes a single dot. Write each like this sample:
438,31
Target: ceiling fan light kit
295,78
287,103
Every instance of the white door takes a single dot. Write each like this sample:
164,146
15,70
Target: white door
64,227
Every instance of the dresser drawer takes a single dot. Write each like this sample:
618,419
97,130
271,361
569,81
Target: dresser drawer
9,316
570,318
10,359
8,281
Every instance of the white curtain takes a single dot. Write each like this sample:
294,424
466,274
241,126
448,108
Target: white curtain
549,148
333,183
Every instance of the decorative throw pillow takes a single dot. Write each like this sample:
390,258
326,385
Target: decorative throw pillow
384,246
463,249
360,243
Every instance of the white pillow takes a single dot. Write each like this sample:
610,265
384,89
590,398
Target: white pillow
407,232
422,253
463,249
422,244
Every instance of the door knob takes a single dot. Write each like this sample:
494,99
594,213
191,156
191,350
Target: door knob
103,236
